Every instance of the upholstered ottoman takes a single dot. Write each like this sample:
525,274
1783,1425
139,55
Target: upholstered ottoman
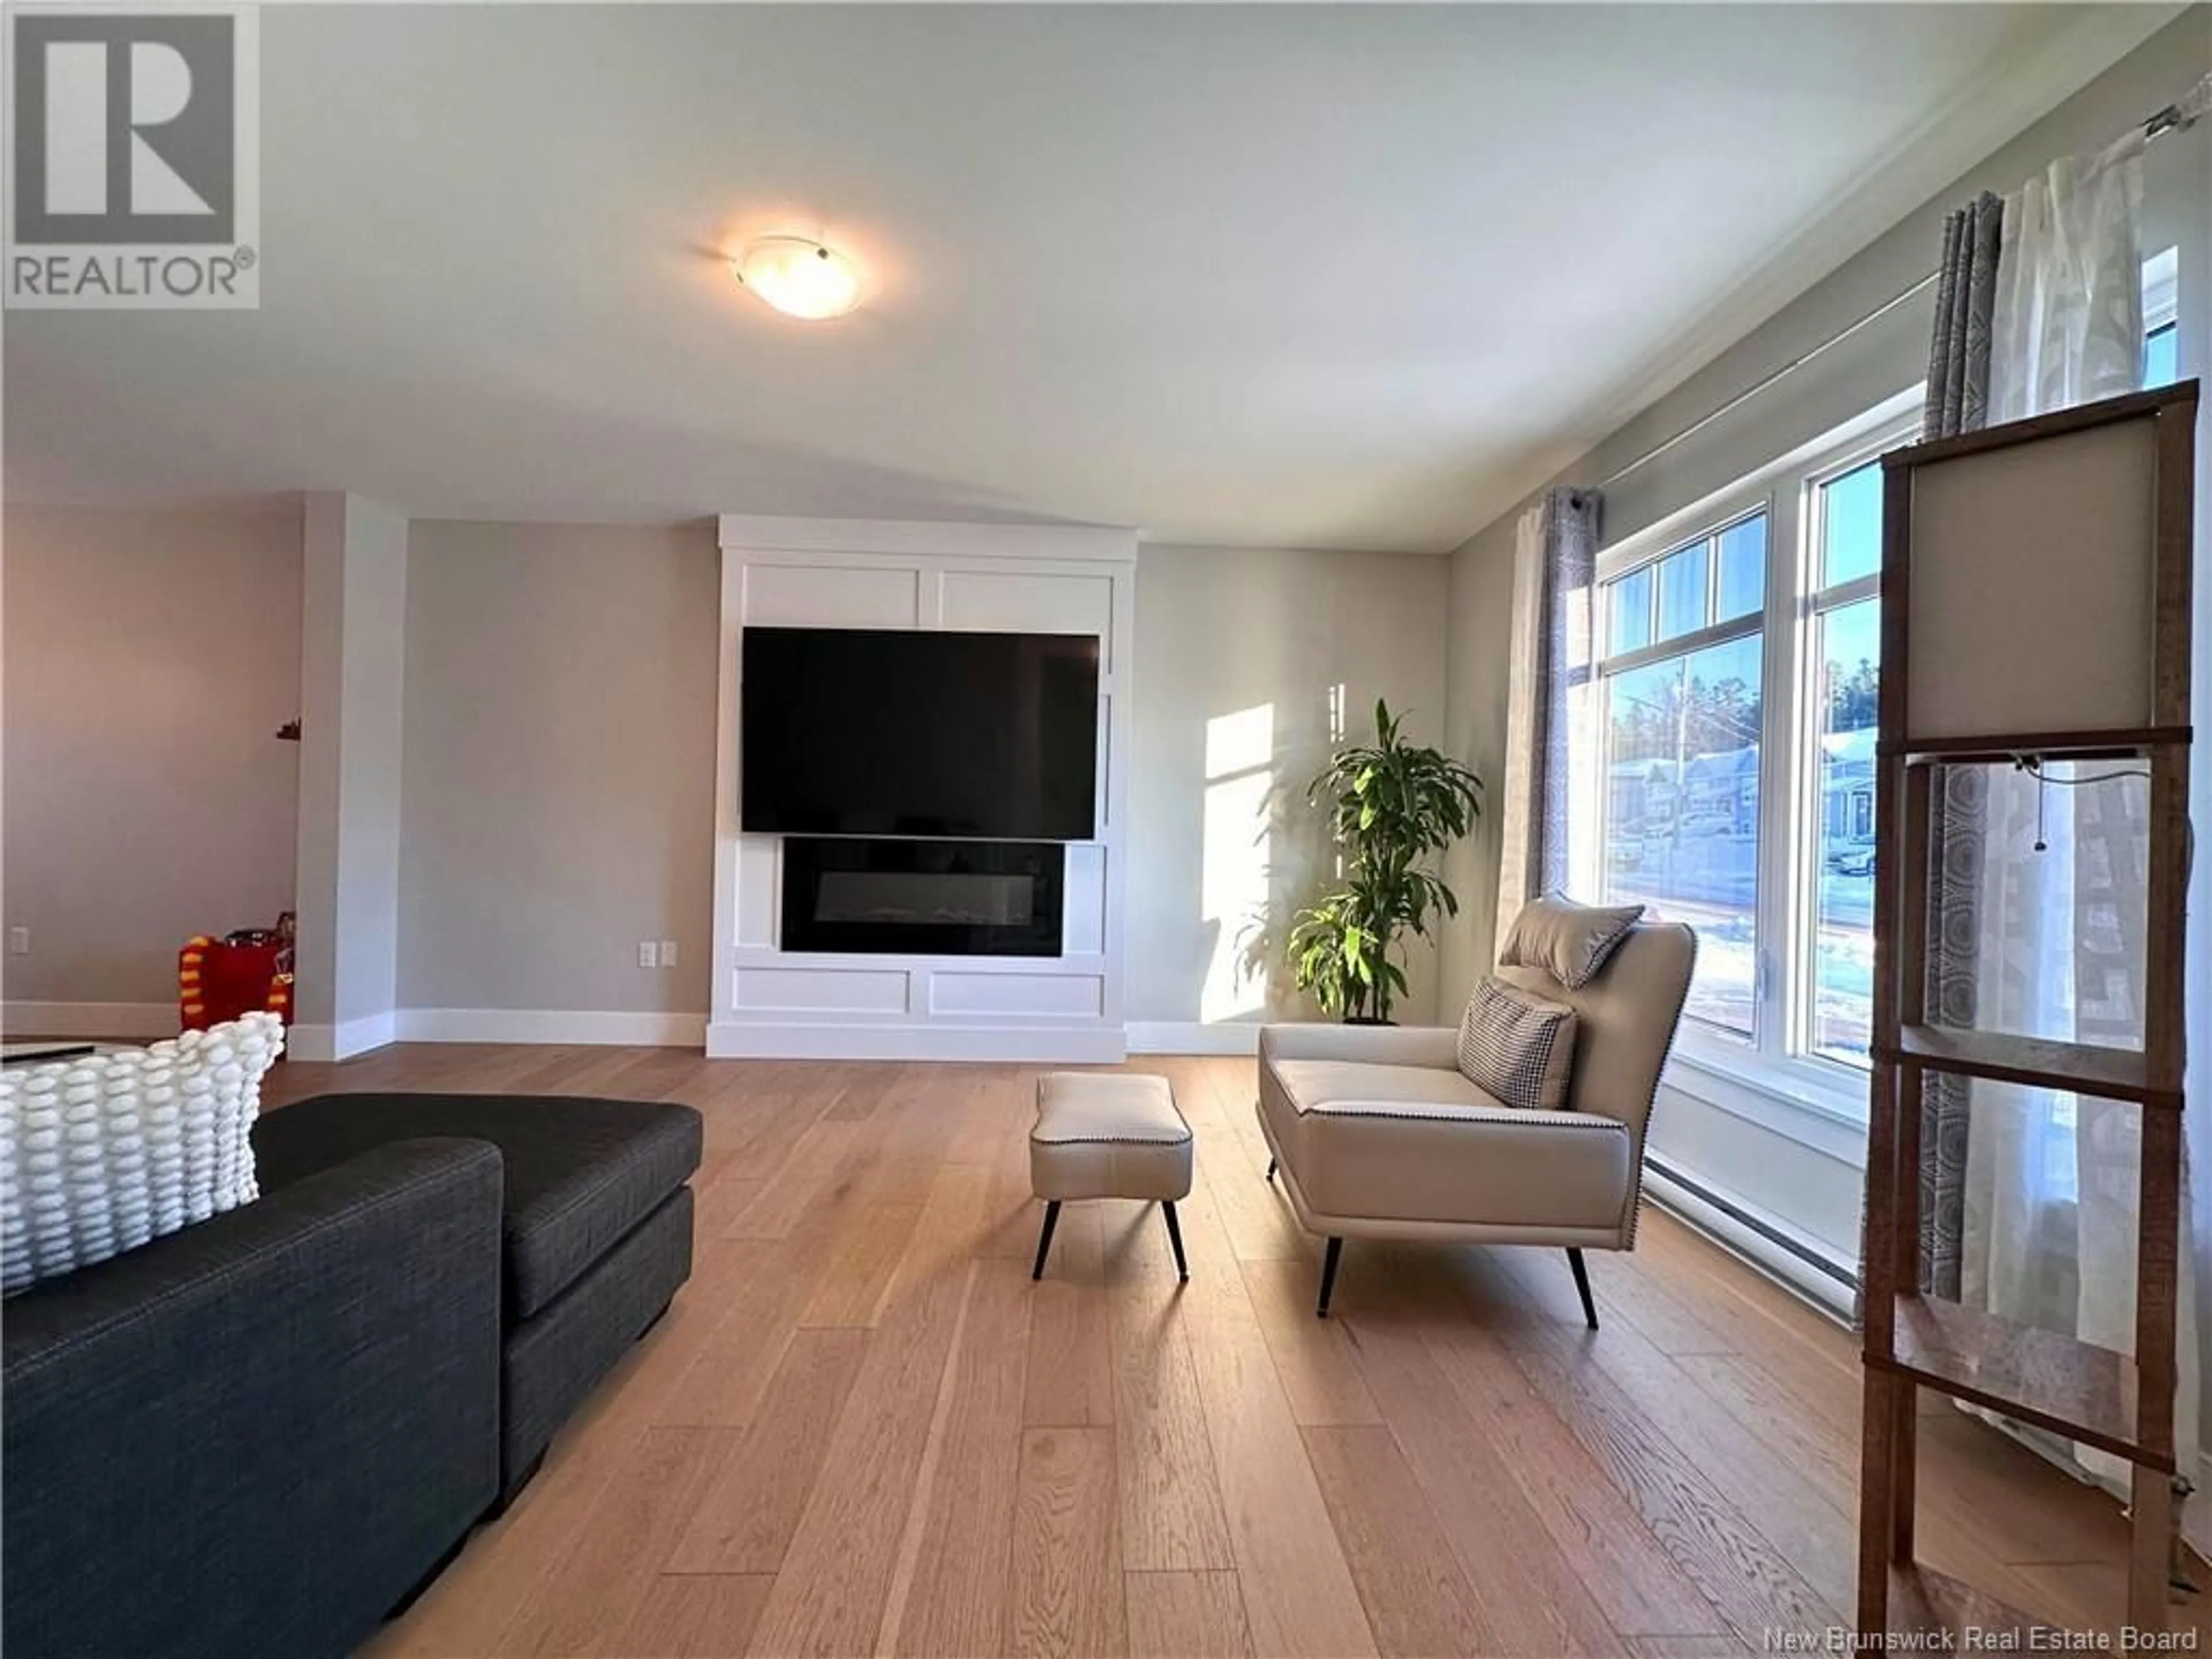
596,1231
1107,1135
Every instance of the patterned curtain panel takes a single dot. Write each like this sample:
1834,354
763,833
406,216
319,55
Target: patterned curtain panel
2037,883
2038,307
1555,582
1520,795
1966,300
1957,835
1958,401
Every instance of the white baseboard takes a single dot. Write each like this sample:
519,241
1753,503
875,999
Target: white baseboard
319,1043
1779,1263
552,1025
1178,1036
1069,1045
131,1021
316,1045
358,1036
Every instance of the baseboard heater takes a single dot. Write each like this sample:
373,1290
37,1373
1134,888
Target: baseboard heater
1790,1262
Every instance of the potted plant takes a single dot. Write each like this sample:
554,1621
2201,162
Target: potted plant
1396,806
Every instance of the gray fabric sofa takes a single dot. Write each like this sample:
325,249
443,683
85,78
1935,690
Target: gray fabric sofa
258,1434
596,1234
261,1434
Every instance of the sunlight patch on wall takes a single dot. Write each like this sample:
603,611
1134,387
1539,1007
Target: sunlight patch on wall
1240,752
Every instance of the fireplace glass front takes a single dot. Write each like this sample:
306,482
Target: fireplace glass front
876,897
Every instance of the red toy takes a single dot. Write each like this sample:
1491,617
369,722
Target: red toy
218,980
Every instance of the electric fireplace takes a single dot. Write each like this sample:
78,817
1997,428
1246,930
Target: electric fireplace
878,896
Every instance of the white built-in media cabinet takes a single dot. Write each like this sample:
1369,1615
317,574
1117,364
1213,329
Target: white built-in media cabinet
872,574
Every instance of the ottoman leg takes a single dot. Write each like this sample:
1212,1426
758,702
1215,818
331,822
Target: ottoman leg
1328,1277
1044,1238
1175,1238
1271,1169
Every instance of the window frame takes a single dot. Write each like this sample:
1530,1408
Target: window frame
1775,1077
1698,639
1799,992
2161,302
2161,291
1608,665
1776,1059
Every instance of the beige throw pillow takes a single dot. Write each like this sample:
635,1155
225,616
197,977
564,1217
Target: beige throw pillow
1567,941
1518,1048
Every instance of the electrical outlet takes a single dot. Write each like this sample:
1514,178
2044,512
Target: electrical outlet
668,953
648,954
19,941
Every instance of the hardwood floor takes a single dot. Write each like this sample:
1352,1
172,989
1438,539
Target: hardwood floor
862,1429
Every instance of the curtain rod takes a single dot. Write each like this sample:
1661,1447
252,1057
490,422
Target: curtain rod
2183,113
2176,117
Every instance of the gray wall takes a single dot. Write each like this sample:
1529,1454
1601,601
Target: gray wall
1240,655
558,796
1479,612
150,658
558,803
1875,363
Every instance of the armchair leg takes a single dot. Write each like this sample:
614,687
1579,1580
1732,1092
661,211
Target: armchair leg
1327,1276
1175,1238
1582,1283
1271,1169
1044,1238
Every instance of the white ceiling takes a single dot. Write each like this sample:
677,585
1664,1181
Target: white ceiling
1297,276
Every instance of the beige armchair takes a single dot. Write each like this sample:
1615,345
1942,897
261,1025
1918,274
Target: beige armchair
1377,1135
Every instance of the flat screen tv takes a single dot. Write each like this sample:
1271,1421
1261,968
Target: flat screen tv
902,732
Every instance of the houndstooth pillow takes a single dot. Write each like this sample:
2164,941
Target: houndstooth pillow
1516,1048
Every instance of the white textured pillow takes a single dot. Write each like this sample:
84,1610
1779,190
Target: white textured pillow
1518,1048
1567,941
100,1155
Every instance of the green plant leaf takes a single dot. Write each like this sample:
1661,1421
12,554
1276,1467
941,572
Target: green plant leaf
1394,808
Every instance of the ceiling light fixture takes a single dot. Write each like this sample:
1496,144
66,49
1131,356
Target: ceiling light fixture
798,278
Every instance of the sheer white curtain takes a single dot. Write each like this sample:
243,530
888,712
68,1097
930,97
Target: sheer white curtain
2069,323
1546,803
2051,1180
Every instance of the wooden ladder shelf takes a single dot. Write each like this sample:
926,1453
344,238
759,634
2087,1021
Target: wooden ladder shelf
2042,569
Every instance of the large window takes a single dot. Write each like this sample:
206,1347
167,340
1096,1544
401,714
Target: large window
1680,691
1735,690
2162,296
1736,687
2162,355
1845,640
